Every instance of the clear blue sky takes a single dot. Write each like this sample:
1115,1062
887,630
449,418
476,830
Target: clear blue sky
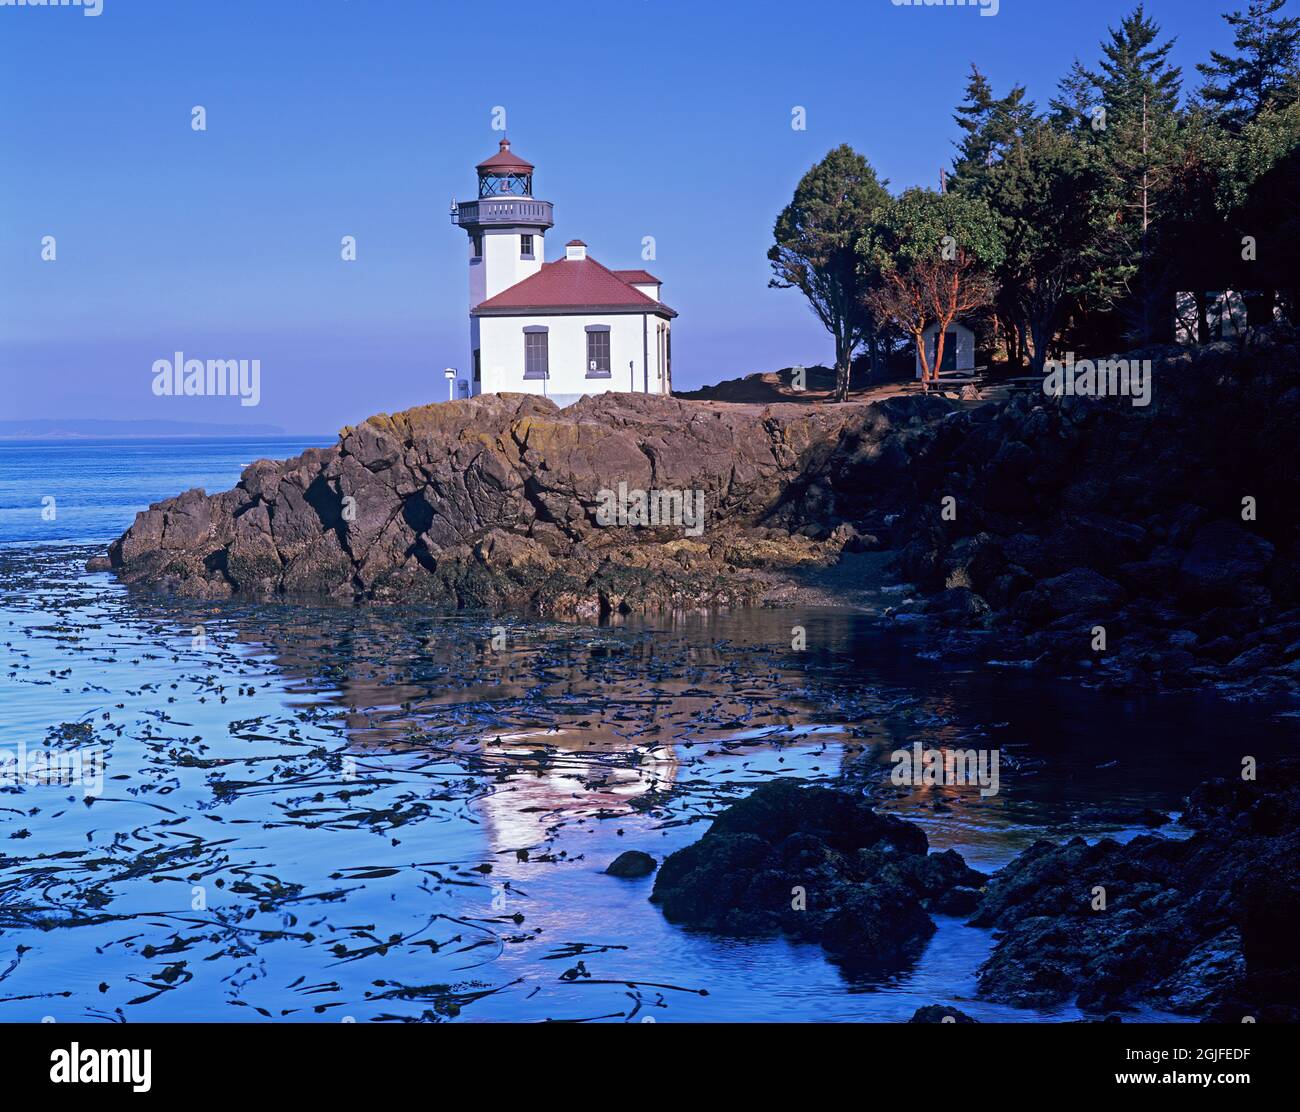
328,118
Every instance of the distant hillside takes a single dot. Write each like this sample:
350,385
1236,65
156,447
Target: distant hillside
90,427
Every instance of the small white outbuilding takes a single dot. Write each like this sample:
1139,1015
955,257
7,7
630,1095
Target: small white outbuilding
958,349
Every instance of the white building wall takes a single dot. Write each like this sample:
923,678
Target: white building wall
477,274
965,347
660,364
474,387
501,344
501,265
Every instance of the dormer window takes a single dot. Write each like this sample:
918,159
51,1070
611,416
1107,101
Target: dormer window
575,250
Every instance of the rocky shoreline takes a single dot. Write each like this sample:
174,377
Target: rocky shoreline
819,865
1147,549
1200,926
1144,548
493,503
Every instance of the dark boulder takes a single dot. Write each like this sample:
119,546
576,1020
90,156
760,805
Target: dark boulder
632,863
940,1013
1223,557
958,604
1079,591
816,864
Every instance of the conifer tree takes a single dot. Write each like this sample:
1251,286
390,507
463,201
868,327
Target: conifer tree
815,249
1137,145
1265,69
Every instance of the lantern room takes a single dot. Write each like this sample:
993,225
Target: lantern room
505,174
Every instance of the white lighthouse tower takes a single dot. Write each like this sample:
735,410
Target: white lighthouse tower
561,329
507,234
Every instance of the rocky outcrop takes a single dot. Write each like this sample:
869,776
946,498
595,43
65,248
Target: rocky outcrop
1171,526
493,502
816,864
1204,926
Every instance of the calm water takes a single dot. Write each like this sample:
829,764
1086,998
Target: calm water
371,812
98,485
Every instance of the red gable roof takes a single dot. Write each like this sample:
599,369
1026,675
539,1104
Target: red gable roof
638,277
572,284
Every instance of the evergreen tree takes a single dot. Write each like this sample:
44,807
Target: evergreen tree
1051,196
1264,69
1261,196
815,250
1076,98
1137,144
995,132
1135,70
992,126
1190,248
973,118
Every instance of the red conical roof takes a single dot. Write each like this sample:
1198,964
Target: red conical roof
503,162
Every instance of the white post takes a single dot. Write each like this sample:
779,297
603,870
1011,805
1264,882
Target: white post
450,374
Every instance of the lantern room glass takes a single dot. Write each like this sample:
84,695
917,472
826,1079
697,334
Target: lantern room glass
505,185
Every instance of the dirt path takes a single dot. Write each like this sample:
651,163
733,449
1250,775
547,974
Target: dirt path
774,386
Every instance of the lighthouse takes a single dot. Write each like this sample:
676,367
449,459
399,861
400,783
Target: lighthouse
507,226
561,329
